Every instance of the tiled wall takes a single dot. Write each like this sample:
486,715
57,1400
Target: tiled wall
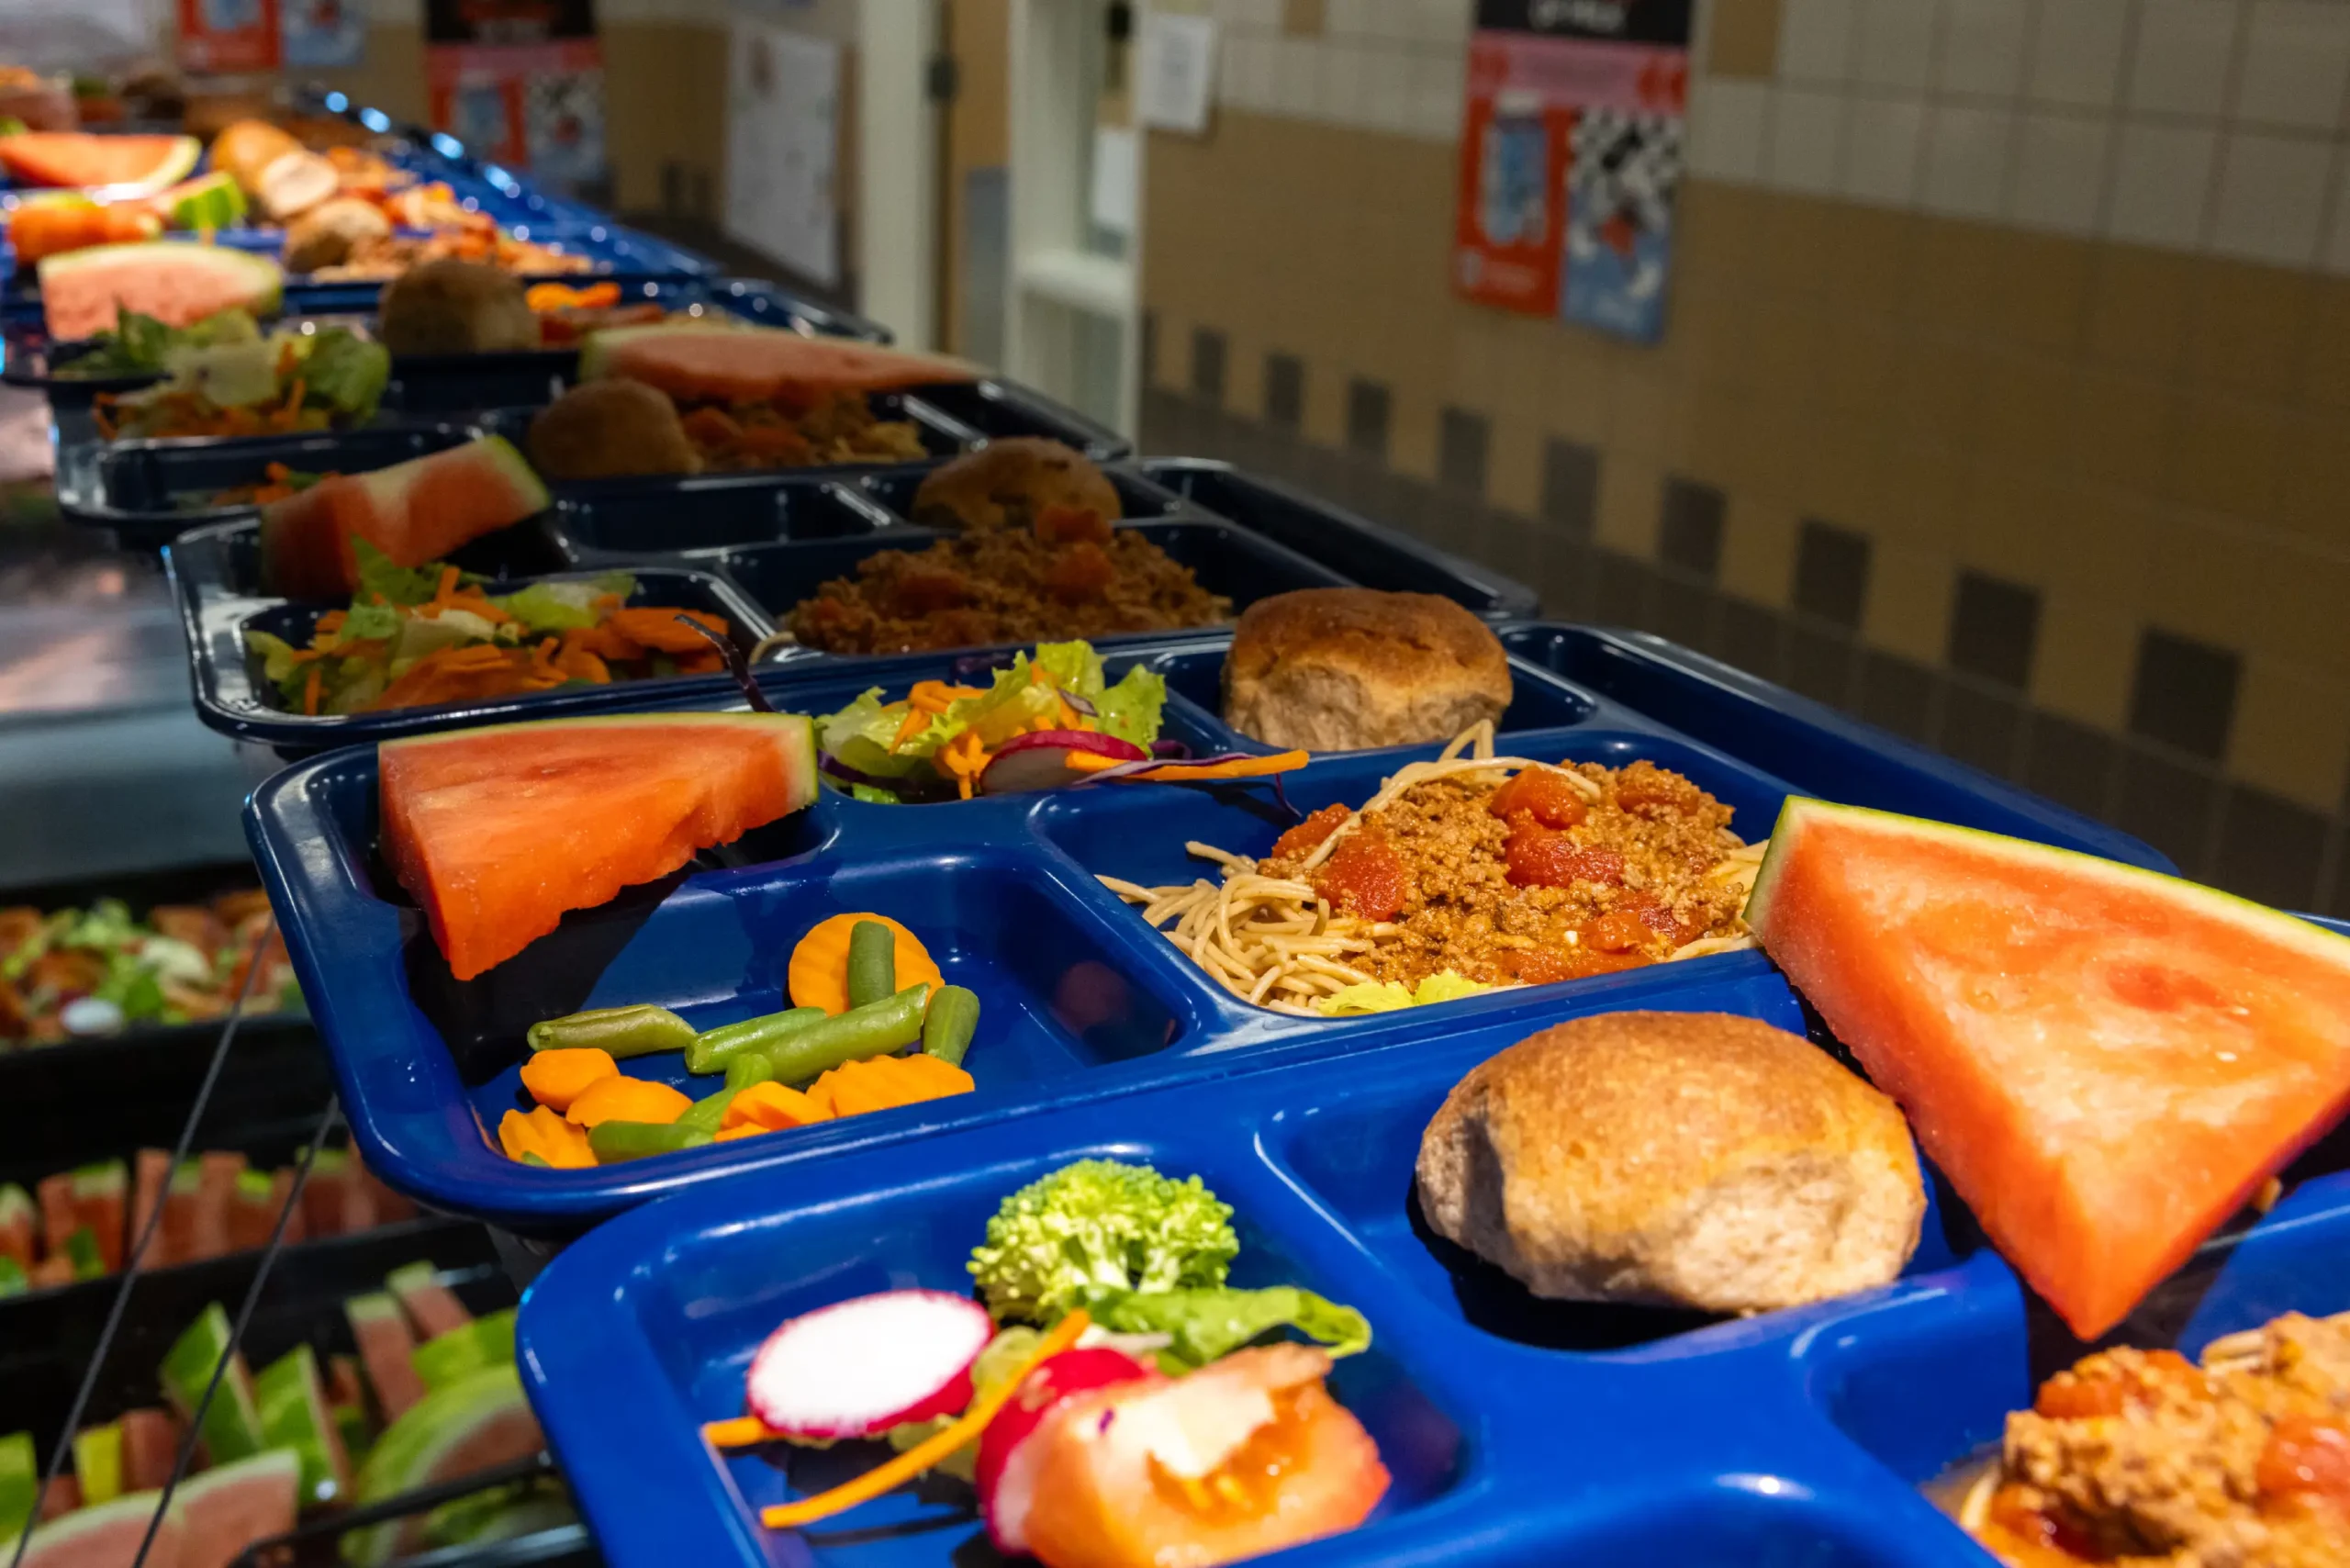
2005,397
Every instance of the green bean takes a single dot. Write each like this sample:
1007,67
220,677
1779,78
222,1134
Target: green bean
873,1030
709,1050
624,1031
613,1141
947,1027
533,1156
741,1071
872,962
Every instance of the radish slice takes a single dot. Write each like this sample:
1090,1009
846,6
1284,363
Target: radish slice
1008,1461
1039,760
858,1368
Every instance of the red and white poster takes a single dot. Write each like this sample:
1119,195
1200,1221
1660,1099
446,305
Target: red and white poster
224,37
1571,158
521,81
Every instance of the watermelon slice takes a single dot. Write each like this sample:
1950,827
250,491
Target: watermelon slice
20,1485
322,1193
210,201
414,512
97,1462
475,1422
231,1506
498,831
101,1202
729,362
430,1306
16,1225
109,1536
294,1414
2105,1061
379,1328
177,282
150,1180
150,1440
119,168
57,1218
252,1217
232,1425
461,1352
215,1191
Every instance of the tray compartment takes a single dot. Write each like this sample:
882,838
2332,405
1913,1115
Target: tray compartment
682,1334
655,516
1373,555
1138,501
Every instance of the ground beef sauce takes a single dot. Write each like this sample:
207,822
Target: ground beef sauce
1060,574
1526,883
2145,1459
830,427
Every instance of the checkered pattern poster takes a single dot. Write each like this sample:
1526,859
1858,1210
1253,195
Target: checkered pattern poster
1571,158
521,81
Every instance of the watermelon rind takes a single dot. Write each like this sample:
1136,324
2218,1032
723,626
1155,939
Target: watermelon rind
446,1358
599,344
65,1541
212,201
255,282
505,462
617,721
97,1463
1799,811
412,1451
291,1400
179,157
231,1426
19,1482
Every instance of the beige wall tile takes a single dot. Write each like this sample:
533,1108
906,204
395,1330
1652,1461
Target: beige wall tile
2313,491
2292,732
2227,455
1908,603
1411,427
2096,542
2008,513
1839,471
2082,662
2250,327
1745,38
1628,491
1758,549
1575,404
1867,257
2123,427
2041,285
1639,404
2027,412
1926,484
2138,308
2326,368
1938,387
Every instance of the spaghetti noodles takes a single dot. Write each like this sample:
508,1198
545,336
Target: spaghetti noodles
1430,875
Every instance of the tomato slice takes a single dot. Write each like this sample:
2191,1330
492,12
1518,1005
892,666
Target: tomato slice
1116,1487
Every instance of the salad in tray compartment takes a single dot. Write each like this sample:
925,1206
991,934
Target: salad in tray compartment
223,377
1111,1400
79,973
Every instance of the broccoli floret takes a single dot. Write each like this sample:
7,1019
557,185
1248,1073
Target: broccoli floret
1100,1225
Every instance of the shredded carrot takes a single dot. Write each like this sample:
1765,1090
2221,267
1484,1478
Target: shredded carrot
916,722
311,690
294,395
1089,762
933,1450
1194,772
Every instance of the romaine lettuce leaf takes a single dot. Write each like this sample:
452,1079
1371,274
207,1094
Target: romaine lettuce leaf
1203,1325
1131,710
346,372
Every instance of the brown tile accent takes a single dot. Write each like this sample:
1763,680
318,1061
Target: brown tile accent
1898,694
2168,803
1462,441
2072,764
1831,578
1284,391
2269,848
1689,526
1745,40
1570,488
2185,693
1993,625
1302,18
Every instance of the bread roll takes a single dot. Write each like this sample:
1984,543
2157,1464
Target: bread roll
1006,483
1678,1159
604,430
453,307
1342,670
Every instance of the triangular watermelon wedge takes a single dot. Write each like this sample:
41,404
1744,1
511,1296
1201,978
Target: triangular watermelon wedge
415,511
118,168
230,1506
714,360
498,831
2105,1061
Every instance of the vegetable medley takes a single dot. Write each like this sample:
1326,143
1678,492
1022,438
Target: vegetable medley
225,379
97,970
416,636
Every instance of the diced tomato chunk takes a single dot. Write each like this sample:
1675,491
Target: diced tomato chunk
1546,966
1536,857
1080,572
1542,793
1364,875
2307,1455
1618,930
1307,835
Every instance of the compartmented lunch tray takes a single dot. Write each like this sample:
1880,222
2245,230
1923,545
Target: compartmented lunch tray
424,384
1080,998
761,542
1515,1430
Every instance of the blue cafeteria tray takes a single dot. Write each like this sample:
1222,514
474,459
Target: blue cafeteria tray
1371,554
216,574
1515,1430
1081,998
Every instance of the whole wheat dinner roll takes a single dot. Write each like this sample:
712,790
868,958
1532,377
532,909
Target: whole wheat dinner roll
1692,1160
1345,668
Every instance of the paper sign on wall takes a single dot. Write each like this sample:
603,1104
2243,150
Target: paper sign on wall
782,131
229,36
1174,71
321,34
1571,158
521,81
